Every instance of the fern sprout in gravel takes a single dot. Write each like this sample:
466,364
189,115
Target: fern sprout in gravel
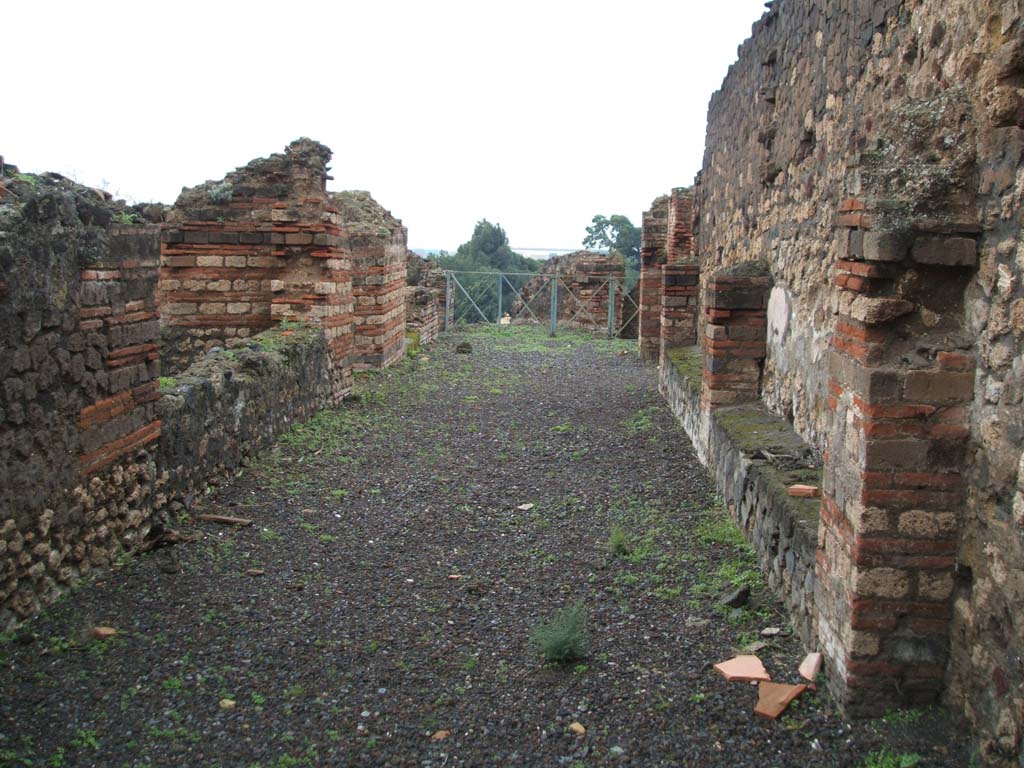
564,638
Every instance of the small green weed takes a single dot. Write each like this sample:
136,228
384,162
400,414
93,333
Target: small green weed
174,683
618,542
886,759
903,716
564,637
720,529
85,739
642,420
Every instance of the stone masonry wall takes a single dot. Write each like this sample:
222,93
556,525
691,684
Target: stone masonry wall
871,153
424,299
230,404
78,385
92,450
653,254
584,288
376,242
680,274
261,246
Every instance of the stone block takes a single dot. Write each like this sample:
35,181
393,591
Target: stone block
899,454
884,246
889,583
945,251
938,387
873,311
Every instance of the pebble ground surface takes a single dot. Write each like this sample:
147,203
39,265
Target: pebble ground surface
379,610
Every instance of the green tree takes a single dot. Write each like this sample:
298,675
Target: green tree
617,233
486,251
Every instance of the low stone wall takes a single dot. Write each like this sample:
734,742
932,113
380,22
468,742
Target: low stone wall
755,456
232,403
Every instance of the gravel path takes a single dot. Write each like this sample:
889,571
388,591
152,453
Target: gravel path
379,612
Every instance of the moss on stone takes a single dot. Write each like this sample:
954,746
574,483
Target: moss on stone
688,364
753,428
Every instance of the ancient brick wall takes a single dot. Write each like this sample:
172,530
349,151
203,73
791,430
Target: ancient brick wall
78,366
424,298
376,243
261,246
584,290
653,254
680,274
92,450
871,154
734,333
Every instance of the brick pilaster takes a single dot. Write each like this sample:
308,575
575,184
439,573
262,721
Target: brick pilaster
653,254
735,324
893,486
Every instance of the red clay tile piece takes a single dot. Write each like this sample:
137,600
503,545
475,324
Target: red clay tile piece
773,698
743,668
810,666
804,491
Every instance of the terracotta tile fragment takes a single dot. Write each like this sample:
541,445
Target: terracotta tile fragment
810,666
743,668
773,698
804,491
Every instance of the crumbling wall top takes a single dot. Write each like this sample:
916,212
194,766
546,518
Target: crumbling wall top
301,171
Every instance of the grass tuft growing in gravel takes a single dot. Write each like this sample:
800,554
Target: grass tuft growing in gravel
564,638
618,542
887,759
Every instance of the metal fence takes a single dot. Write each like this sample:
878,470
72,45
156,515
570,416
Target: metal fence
491,297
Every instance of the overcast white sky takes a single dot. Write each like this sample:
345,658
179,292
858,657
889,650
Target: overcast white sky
533,114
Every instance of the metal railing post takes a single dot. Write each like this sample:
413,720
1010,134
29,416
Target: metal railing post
497,319
447,299
611,308
554,303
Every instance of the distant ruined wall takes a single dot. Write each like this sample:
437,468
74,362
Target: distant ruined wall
584,290
653,255
871,154
424,299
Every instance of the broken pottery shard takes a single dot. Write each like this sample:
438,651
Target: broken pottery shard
104,633
440,735
525,507
810,666
773,698
804,491
743,668
577,728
